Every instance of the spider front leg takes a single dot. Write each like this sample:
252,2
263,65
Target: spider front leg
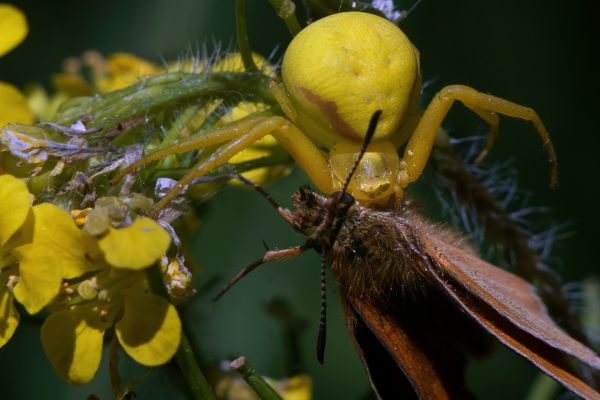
237,137
487,107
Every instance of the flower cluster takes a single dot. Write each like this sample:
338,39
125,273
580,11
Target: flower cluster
88,283
84,254
87,268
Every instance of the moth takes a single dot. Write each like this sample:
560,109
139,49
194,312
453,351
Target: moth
418,302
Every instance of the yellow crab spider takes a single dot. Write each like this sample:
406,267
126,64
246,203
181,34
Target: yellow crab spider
336,73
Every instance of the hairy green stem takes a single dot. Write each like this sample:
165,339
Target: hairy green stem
242,36
160,92
256,382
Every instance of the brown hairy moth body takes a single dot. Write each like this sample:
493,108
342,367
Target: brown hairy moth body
418,301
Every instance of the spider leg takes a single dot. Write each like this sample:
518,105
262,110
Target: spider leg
217,136
308,156
283,100
492,118
486,106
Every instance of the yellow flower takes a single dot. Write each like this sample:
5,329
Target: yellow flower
44,253
14,207
39,246
13,105
13,26
122,70
34,253
149,330
43,105
297,387
147,326
137,246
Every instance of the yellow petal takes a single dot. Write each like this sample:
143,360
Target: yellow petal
150,330
15,201
13,105
9,317
124,70
71,84
137,246
13,26
233,63
298,387
40,276
52,227
72,341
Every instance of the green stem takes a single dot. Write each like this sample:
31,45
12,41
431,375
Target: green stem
192,374
256,382
242,36
196,382
160,92
286,9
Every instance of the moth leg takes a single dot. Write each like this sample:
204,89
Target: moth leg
486,106
271,255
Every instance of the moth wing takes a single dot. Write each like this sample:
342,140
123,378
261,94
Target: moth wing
508,308
400,364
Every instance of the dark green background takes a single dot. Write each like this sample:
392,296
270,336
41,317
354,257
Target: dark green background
537,53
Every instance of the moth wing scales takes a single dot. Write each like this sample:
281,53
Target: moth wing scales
410,369
511,311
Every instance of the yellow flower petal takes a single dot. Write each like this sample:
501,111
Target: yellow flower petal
13,105
52,227
150,330
72,341
15,201
233,63
137,246
71,84
40,276
9,317
124,70
298,387
13,26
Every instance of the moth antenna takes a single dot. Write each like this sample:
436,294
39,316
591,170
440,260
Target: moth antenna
245,181
322,336
363,149
258,188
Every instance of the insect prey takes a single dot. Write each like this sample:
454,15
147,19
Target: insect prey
418,301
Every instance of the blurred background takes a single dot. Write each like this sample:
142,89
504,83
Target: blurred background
539,53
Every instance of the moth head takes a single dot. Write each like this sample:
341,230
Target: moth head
310,210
